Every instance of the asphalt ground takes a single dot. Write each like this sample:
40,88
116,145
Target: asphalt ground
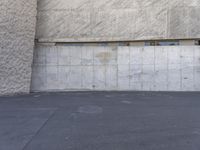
101,121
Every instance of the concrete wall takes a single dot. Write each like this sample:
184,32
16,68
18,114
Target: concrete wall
17,31
98,67
60,68
117,20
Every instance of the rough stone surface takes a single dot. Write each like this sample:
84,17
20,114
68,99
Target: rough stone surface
116,20
170,68
17,32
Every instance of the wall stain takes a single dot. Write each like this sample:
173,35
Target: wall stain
104,57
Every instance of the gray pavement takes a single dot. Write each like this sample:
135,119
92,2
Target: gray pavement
100,121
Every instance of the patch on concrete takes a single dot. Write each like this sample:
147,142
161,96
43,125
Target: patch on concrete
104,57
90,109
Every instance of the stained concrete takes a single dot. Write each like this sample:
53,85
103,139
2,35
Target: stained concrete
100,120
64,68
117,20
17,34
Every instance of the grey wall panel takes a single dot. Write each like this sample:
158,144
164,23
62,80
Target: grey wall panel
17,32
63,68
117,20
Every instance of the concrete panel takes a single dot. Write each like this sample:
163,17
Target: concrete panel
136,57
79,23
149,21
136,72
161,77
99,77
168,68
148,54
39,74
126,23
148,79
194,20
187,56
113,55
174,77
104,24
114,20
174,55
52,55
178,22
161,56
63,56
75,80
52,78
40,56
87,77
101,55
75,55
63,77
161,69
187,68
197,68
123,77
187,78
17,32
123,56
197,78
53,24
87,58
111,77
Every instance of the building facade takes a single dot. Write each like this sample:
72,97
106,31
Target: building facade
149,45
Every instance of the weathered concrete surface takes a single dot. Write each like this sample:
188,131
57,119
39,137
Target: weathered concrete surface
101,121
17,33
117,20
19,125
172,68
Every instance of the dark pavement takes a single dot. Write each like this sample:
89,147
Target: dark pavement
100,121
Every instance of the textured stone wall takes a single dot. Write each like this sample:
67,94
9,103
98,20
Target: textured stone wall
117,20
62,68
17,33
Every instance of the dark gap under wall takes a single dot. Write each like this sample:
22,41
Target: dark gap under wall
177,42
